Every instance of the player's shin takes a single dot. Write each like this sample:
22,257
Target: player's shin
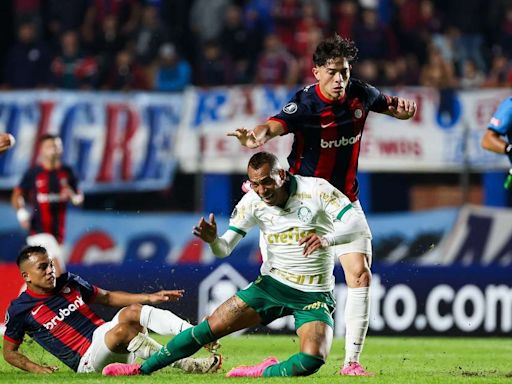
357,314
182,345
161,321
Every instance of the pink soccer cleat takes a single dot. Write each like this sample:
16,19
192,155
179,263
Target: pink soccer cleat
120,369
252,370
354,369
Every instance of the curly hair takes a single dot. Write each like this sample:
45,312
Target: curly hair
332,48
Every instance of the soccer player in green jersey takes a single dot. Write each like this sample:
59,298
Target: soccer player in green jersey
301,219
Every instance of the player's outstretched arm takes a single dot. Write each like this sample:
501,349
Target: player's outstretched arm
123,299
401,108
14,357
259,135
222,246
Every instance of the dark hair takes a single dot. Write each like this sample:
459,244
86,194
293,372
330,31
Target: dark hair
261,158
332,48
47,136
28,251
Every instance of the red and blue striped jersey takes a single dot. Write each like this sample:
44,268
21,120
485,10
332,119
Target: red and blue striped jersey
61,322
44,189
327,133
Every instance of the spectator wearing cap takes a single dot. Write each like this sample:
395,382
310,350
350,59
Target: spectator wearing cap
173,73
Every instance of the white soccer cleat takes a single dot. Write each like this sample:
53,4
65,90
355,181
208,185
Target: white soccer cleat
143,346
209,364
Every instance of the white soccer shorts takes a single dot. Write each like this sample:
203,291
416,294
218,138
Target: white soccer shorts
98,356
361,245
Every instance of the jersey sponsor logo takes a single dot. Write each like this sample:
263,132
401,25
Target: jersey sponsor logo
331,199
49,198
303,195
64,312
316,305
341,142
34,312
305,215
290,108
358,113
291,236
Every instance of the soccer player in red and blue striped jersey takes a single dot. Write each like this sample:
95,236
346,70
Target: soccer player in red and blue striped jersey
48,186
327,120
55,312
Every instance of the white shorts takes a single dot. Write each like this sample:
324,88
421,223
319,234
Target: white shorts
98,356
50,243
362,245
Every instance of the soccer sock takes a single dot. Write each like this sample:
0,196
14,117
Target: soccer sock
357,314
161,321
182,345
300,364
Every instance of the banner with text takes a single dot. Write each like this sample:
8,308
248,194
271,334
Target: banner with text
444,135
113,141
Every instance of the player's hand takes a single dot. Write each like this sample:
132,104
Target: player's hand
405,109
165,296
246,138
311,243
23,218
6,141
45,369
206,230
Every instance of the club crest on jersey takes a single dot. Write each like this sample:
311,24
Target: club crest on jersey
290,108
358,113
304,214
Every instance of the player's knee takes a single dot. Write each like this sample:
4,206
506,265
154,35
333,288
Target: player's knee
124,332
131,314
359,278
309,363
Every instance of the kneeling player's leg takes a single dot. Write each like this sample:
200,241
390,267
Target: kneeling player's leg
357,307
231,316
315,344
109,344
157,320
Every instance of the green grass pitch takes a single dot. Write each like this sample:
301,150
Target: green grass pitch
393,359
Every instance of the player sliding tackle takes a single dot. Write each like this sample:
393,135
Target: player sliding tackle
300,219
55,312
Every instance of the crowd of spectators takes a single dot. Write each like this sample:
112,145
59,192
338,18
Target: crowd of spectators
165,45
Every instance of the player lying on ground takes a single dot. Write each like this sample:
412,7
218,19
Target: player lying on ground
300,218
55,312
